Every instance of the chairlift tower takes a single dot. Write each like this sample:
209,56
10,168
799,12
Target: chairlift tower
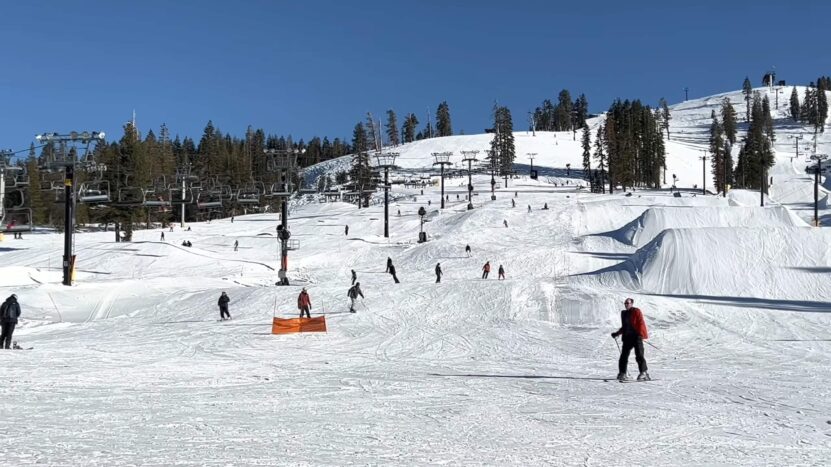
442,159
386,161
817,171
69,162
492,158
283,161
470,158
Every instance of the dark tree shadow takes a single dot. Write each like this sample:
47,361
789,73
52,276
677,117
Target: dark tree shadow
751,302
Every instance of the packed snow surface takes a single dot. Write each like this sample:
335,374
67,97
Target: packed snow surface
131,366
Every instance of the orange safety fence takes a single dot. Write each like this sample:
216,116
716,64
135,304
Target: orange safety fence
293,325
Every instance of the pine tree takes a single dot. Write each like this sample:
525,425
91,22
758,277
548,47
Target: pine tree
587,153
756,154
409,128
562,114
600,157
665,115
392,128
822,104
747,90
717,151
503,140
795,113
443,125
728,120
361,173
767,119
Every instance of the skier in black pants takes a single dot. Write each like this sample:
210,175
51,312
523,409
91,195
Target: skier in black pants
353,293
392,272
438,273
346,230
354,276
633,330
501,272
389,264
223,307
9,312
467,250
236,245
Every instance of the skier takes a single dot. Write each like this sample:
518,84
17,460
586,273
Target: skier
513,203
353,293
188,228
545,207
399,213
236,245
346,231
467,250
223,306
633,330
529,208
392,272
354,277
162,238
505,222
304,303
501,273
428,202
171,228
438,273
486,269
9,312
389,264
516,194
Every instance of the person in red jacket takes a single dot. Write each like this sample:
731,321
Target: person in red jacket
486,269
304,303
633,330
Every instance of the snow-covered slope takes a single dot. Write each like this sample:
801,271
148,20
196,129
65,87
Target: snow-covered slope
131,366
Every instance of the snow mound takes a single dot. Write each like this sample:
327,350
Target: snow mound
782,263
655,220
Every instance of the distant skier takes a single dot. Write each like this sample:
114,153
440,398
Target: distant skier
171,228
354,277
428,202
188,228
486,269
389,264
399,213
467,250
346,231
9,312
162,237
304,303
353,293
236,245
545,207
516,194
223,307
392,272
513,203
501,273
438,273
529,208
505,222
633,330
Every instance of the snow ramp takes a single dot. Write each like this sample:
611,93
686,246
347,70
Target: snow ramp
784,263
653,221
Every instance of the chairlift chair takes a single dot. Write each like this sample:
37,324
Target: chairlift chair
94,193
17,220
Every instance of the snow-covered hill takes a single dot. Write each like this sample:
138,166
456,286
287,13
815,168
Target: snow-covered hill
131,366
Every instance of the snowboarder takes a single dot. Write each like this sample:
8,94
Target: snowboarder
467,250
223,306
162,237
513,203
353,293
438,273
304,303
505,222
9,312
501,273
392,272
389,264
354,276
486,269
346,230
236,245
633,330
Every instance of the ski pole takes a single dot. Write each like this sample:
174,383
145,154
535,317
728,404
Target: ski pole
618,346
651,345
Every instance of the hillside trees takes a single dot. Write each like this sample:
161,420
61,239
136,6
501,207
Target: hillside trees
634,145
756,154
503,140
443,125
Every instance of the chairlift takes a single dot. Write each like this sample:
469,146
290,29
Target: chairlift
17,220
176,197
206,201
248,196
130,195
94,192
152,198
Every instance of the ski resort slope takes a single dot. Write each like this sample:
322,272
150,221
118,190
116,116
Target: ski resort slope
131,366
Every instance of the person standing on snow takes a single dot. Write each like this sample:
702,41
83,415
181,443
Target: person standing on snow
501,273
353,293
304,303
529,208
467,250
236,245
392,272
438,273
486,269
223,306
354,277
513,203
633,330
9,312
505,222
389,264
162,238
346,230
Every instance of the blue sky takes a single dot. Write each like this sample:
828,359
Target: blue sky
315,67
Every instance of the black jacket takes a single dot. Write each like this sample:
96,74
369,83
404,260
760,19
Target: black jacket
354,291
223,301
438,270
10,310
